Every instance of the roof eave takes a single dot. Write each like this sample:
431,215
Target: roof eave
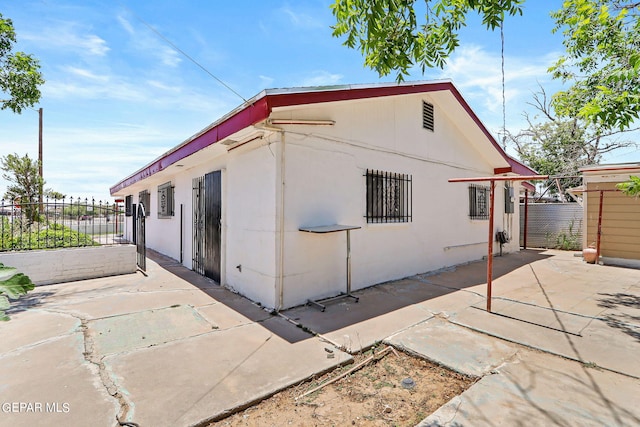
259,108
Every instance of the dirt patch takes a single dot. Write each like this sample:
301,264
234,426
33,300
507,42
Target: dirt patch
394,389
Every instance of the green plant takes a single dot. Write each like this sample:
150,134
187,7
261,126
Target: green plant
569,241
12,285
49,237
631,187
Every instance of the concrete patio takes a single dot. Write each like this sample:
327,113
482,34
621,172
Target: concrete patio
171,348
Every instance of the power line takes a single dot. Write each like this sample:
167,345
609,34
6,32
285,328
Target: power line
176,48
504,101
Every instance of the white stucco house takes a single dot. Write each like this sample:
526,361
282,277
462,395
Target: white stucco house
230,202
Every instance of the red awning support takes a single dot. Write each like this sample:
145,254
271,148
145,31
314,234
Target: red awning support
492,181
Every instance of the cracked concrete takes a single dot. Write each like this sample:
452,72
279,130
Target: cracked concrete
152,349
171,348
109,384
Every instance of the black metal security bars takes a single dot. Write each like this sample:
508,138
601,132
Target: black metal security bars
59,223
389,197
478,201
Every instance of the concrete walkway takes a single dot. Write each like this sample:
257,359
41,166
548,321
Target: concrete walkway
173,349
559,348
167,349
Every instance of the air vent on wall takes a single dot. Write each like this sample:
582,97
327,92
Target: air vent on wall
427,116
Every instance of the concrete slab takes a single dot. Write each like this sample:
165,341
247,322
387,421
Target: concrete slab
362,335
110,303
453,302
357,326
148,328
32,327
59,386
543,390
222,316
449,345
537,315
186,382
599,343
193,374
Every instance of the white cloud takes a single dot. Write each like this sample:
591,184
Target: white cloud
86,74
265,81
164,87
321,78
69,36
300,19
169,56
126,24
477,73
149,43
112,88
95,45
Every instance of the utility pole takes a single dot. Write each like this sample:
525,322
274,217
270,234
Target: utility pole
40,155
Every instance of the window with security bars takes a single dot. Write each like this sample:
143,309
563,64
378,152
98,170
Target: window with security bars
144,198
128,206
478,202
165,200
427,116
389,197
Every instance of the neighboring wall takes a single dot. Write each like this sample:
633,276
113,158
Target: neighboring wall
46,267
620,221
552,225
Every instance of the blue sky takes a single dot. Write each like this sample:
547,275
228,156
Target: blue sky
117,96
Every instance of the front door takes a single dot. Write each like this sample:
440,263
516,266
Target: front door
207,216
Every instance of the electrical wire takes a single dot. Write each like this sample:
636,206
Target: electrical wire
504,100
182,52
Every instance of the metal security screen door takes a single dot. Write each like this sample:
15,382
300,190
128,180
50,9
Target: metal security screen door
140,237
207,214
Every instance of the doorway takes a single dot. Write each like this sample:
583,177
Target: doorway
207,230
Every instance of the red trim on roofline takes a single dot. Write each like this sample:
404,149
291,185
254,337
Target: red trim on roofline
263,105
252,114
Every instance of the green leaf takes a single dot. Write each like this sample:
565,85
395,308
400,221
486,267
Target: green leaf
13,285
4,303
391,38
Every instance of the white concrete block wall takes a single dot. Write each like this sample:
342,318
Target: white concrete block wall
325,184
250,226
46,267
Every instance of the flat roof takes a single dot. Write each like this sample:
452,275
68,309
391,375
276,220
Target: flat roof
610,167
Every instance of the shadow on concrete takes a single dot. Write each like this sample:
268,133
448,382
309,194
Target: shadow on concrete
627,323
373,301
589,381
390,296
247,308
28,301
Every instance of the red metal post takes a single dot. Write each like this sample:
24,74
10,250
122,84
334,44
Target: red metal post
490,246
598,236
526,216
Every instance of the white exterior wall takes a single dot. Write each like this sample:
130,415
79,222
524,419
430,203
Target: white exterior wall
251,222
248,215
325,184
